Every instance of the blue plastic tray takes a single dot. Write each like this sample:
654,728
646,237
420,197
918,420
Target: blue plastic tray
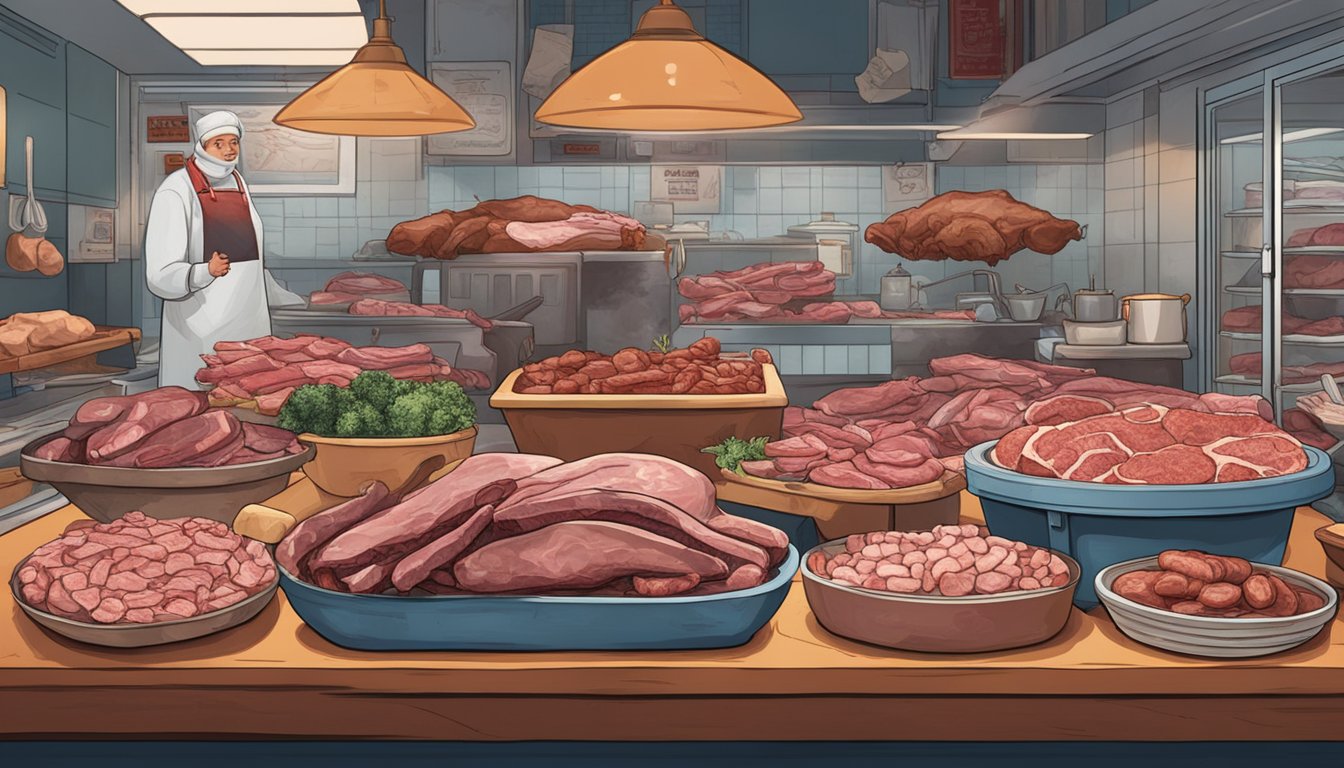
518,623
1100,524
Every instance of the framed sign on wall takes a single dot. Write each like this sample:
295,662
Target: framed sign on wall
282,161
485,90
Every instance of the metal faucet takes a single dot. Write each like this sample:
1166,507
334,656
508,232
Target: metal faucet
992,281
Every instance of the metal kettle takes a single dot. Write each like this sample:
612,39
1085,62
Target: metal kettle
896,289
1091,305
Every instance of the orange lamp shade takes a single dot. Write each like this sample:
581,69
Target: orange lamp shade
667,77
376,94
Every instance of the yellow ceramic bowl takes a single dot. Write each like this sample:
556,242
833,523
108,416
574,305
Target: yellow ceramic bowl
343,465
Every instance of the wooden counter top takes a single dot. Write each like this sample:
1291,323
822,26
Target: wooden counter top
276,678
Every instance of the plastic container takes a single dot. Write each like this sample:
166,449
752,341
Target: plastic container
538,623
572,427
1099,524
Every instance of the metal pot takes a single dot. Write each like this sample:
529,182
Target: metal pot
1155,318
896,290
1025,307
1094,306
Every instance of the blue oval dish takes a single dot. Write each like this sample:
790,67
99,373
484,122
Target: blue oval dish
1100,524
541,623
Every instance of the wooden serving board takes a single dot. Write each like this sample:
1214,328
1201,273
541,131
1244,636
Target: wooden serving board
841,511
103,339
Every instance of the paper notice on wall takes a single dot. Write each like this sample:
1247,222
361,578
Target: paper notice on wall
690,188
549,60
485,91
887,77
96,244
906,185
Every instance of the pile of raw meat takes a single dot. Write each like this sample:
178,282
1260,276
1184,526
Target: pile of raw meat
138,570
1081,438
615,524
349,287
950,560
266,370
1328,235
1313,271
23,333
1324,189
972,226
519,225
700,369
1248,320
1306,427
161,428
906,432
1199,584
379,308
1248,364
779,293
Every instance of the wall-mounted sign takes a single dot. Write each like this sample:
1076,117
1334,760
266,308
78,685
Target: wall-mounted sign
173,161
690,188
975,40
581,148
485,90
165,129
906,185
97,225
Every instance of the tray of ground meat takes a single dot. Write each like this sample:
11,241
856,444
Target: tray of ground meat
1195,603
138,581
955,589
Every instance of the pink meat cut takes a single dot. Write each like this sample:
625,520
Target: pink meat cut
597,231
383,358
145,415
377,308
580,554
1151,444
1312,271
1329,235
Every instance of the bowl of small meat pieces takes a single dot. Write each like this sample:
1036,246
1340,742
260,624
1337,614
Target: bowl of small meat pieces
1195,603
955,589
138,581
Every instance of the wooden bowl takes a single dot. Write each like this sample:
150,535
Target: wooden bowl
343,465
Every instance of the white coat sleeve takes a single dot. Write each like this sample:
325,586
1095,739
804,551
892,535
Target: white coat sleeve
168,271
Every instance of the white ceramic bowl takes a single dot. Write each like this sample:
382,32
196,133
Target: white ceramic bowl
1213,636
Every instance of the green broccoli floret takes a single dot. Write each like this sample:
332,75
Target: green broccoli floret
439,408
362,420
409,414
312,408
730,453
377,388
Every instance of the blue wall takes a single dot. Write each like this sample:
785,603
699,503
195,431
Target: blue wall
65,98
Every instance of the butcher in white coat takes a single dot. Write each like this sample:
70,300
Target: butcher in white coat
203,251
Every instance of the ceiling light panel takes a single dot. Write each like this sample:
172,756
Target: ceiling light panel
231,7
261,32
313,57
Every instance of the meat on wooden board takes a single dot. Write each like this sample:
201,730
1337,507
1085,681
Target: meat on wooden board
522,224
697,370
162,428
23,333
972,226
908,431
266,370
139,570
615,524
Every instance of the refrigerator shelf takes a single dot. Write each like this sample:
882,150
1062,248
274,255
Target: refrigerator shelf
1237,380
1254,290
1298,207
1240,254
1298,340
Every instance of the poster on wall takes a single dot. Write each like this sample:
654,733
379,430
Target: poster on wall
95,226
975,42
906,185
167,129
282,161
690,188
485,91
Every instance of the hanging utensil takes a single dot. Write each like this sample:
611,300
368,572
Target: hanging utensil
1331,388
32,218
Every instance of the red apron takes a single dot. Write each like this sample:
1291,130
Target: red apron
227,223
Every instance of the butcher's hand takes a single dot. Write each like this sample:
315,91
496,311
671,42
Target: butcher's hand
219,264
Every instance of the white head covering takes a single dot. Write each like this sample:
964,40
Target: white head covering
218,124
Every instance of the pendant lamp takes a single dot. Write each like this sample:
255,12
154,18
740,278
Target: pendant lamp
376,94
667,77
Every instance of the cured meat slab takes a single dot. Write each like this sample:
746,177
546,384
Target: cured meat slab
972,226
